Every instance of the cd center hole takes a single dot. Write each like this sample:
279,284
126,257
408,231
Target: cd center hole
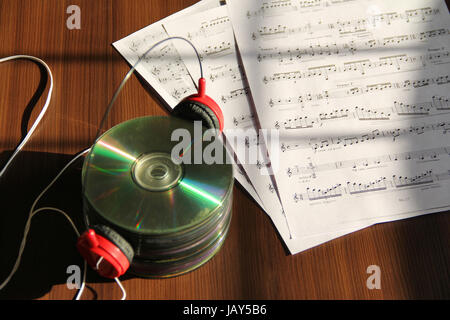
158,172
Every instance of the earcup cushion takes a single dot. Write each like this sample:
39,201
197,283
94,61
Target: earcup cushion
116,239
194,110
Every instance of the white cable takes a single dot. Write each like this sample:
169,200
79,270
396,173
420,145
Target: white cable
32,212
83,283
41,114
56,210
18,149
124,293
98,263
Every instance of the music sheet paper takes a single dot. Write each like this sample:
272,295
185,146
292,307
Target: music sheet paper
359,91
165,71
211,33
162,68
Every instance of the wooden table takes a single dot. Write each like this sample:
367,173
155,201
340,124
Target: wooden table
413,254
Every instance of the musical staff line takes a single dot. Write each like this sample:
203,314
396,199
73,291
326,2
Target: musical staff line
279,7
350,188
244,120
320,49
234,94
327,95
421,156
181,92
395,63
347,141
234,73
352,26
221,48
211,28
398,112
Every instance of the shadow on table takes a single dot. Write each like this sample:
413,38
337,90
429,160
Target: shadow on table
50,247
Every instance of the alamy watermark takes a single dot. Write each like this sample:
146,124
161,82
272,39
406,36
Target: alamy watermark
206,146
74,278
74,20
374,280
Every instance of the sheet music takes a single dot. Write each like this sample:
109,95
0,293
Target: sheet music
164,69
211,33
244,180
359,93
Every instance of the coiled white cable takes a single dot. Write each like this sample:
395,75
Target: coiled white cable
41,114
32,211
33,128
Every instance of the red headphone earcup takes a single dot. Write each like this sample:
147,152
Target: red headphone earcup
196,111
107,252
117,239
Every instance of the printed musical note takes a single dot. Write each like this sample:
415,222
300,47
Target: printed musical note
233,73
221,48
352,189
288,55
345,27
296,123
416,109
328,95
210,28
360,97
423,178
181,92
318,194
367,114
421,156
394,63
273,8
347,141
244,120
278,7
320,71
377,185
326,48
140,44
440,103
335,114
235,94
398,112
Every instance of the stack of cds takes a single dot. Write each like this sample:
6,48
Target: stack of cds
175,216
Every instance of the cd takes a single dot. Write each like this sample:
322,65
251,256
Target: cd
176,216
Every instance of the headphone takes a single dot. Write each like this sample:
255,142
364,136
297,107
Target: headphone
104,249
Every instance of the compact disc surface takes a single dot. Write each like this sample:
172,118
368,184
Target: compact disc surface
130,180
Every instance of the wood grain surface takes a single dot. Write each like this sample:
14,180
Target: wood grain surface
413,254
